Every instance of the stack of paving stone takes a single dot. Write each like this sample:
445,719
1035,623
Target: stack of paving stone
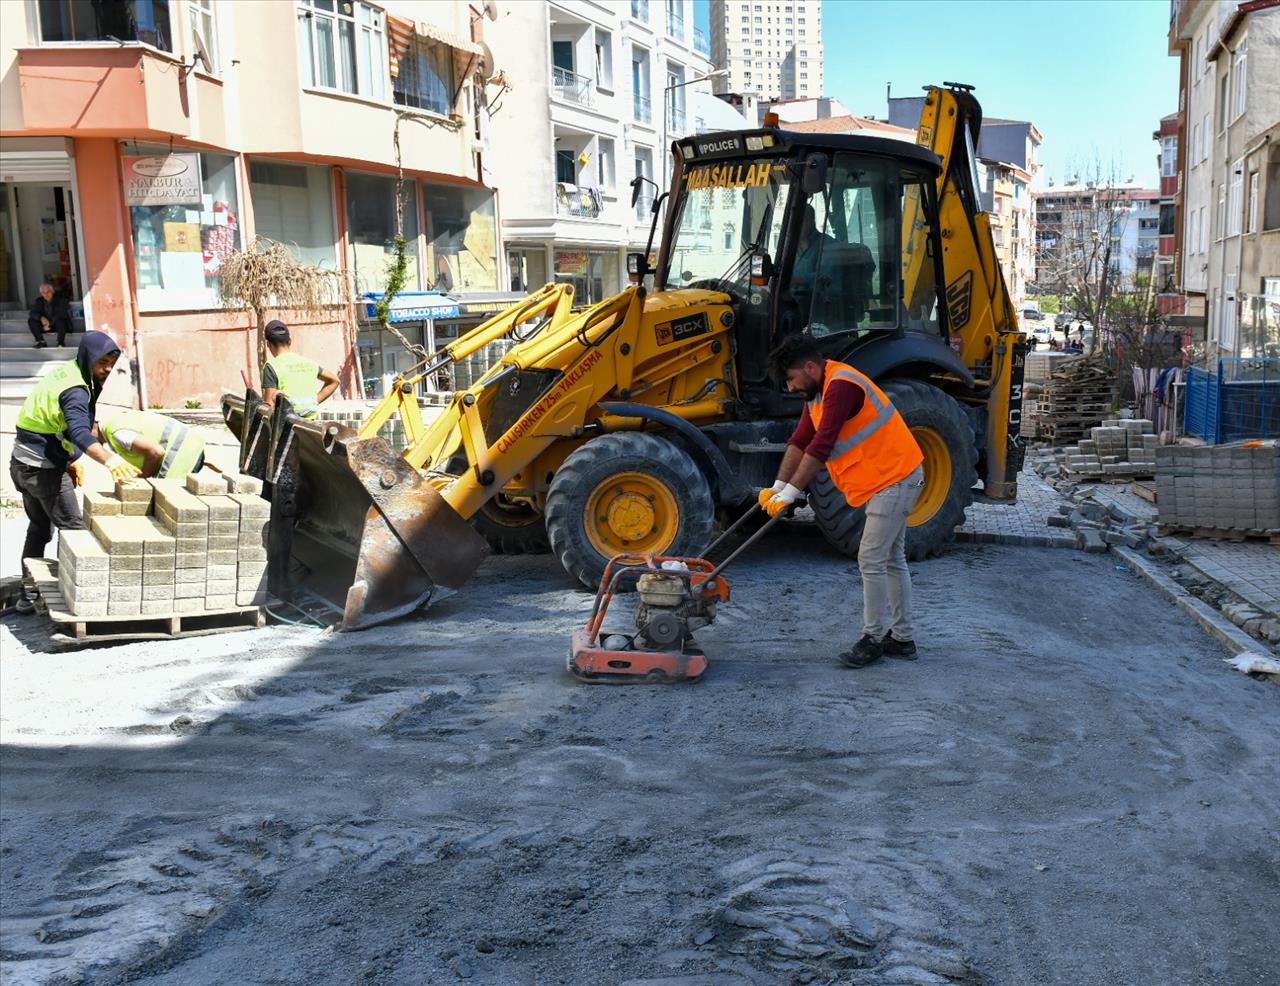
1122,448
1220,489
1036,375
164,547
1075,397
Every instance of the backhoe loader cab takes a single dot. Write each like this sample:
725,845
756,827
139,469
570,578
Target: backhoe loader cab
631,426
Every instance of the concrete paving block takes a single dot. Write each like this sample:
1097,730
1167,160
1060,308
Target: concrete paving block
251,582
156,607
191,560
90,609
154,592
134,491
190,545
223,542
225,528
119,535
122,578
124,607
222,509
251,598
222,557
251,555
206,481
126,563
251,506
220,572
125,594
185,507
220,587
196,576
253,537
83,550
135,508
189,590
237,482
195,604
1090,541
100,504
227,601
84,593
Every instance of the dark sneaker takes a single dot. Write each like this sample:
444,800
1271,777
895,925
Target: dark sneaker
25,605
40,345
865,651
903,650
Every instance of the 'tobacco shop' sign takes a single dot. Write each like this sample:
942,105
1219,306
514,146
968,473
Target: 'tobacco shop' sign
163,179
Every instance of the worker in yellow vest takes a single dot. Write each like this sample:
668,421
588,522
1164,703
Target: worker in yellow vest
852,428
54,427
293,375
158,445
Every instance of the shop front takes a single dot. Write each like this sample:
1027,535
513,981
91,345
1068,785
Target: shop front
593,274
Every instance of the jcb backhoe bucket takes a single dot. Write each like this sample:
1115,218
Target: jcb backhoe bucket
351,521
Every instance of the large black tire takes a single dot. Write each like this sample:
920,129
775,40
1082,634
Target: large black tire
512,528
923,408
687,509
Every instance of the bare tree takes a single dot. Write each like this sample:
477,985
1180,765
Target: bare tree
267,277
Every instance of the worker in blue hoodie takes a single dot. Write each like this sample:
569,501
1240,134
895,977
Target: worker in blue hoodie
55,426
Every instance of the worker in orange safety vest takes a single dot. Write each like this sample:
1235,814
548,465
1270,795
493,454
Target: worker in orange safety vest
852,428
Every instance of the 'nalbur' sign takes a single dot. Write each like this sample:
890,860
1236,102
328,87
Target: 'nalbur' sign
162,179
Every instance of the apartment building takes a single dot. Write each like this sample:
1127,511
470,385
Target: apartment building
1111,224
143,141
1228,193
1170,302
598,91
770,48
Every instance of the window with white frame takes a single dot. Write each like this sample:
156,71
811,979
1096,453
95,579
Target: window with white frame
1227,333
1252,207
1235,205
1239,68
426,80
342,45
1205,133
1220,226
1195,144
119,21
1224,96
1201,233
201,14
604,60
606,168
1168,157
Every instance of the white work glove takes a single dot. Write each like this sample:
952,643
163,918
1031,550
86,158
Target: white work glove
122,471
784,498
767,495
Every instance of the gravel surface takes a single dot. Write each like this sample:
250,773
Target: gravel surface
1069,787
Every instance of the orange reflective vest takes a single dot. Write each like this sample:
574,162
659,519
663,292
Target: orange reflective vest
875,448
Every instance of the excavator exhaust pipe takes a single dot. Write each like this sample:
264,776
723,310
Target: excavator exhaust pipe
351,522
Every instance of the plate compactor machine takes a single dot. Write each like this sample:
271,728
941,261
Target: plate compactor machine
676,596
631,427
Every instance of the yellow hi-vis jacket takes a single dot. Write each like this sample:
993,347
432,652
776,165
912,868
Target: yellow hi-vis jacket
182,445
298,379
42,413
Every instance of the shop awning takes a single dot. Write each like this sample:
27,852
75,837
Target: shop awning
400,38
433,33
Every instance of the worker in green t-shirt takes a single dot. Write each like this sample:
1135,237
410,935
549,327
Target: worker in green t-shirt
293,375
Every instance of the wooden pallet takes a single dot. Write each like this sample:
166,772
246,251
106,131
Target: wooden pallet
1145,490
1218,533
81,630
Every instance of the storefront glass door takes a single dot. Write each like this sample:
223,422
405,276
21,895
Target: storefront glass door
38,231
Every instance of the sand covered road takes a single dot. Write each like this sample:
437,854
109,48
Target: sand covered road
1068,788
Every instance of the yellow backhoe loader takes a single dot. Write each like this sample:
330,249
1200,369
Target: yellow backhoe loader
628,427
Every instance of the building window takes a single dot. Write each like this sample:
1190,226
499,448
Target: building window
178,248
606,169
342,45
1202,232
425,80
1241,88
371,230
1251,208
144,21
1195,144
594,276
293,205
1220,225
1235,204
1205,132
528,269
604,61
1271,197
1169,157
462,237
201,14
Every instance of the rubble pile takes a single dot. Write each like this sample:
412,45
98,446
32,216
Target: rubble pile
159,547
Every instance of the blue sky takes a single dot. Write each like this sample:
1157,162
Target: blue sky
1094,77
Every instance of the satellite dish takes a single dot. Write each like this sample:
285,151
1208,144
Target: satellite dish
491,10
202,51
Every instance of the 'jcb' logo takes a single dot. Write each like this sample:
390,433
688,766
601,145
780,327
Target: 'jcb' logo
959,295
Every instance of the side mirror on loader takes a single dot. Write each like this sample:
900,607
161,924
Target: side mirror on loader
637,267
813,177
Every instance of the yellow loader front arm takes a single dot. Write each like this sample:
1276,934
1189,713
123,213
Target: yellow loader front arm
980,312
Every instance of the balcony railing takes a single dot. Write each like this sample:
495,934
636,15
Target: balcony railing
675,120
642,109
675,25
640,10
573,87
643,204
700,42
577,200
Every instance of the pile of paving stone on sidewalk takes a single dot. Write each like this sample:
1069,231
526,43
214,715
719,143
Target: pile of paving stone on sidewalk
1225,491
162,547
1119,448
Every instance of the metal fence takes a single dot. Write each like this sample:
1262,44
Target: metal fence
1238,400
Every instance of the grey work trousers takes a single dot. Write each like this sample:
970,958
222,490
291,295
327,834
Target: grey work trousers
882,559
49,499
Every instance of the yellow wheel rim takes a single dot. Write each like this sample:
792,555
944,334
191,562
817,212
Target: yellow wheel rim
631,511
937,476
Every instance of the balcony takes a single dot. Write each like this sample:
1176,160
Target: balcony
643,205
642,109
675,25
700,42
577,201
640,10
575,88
676,120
